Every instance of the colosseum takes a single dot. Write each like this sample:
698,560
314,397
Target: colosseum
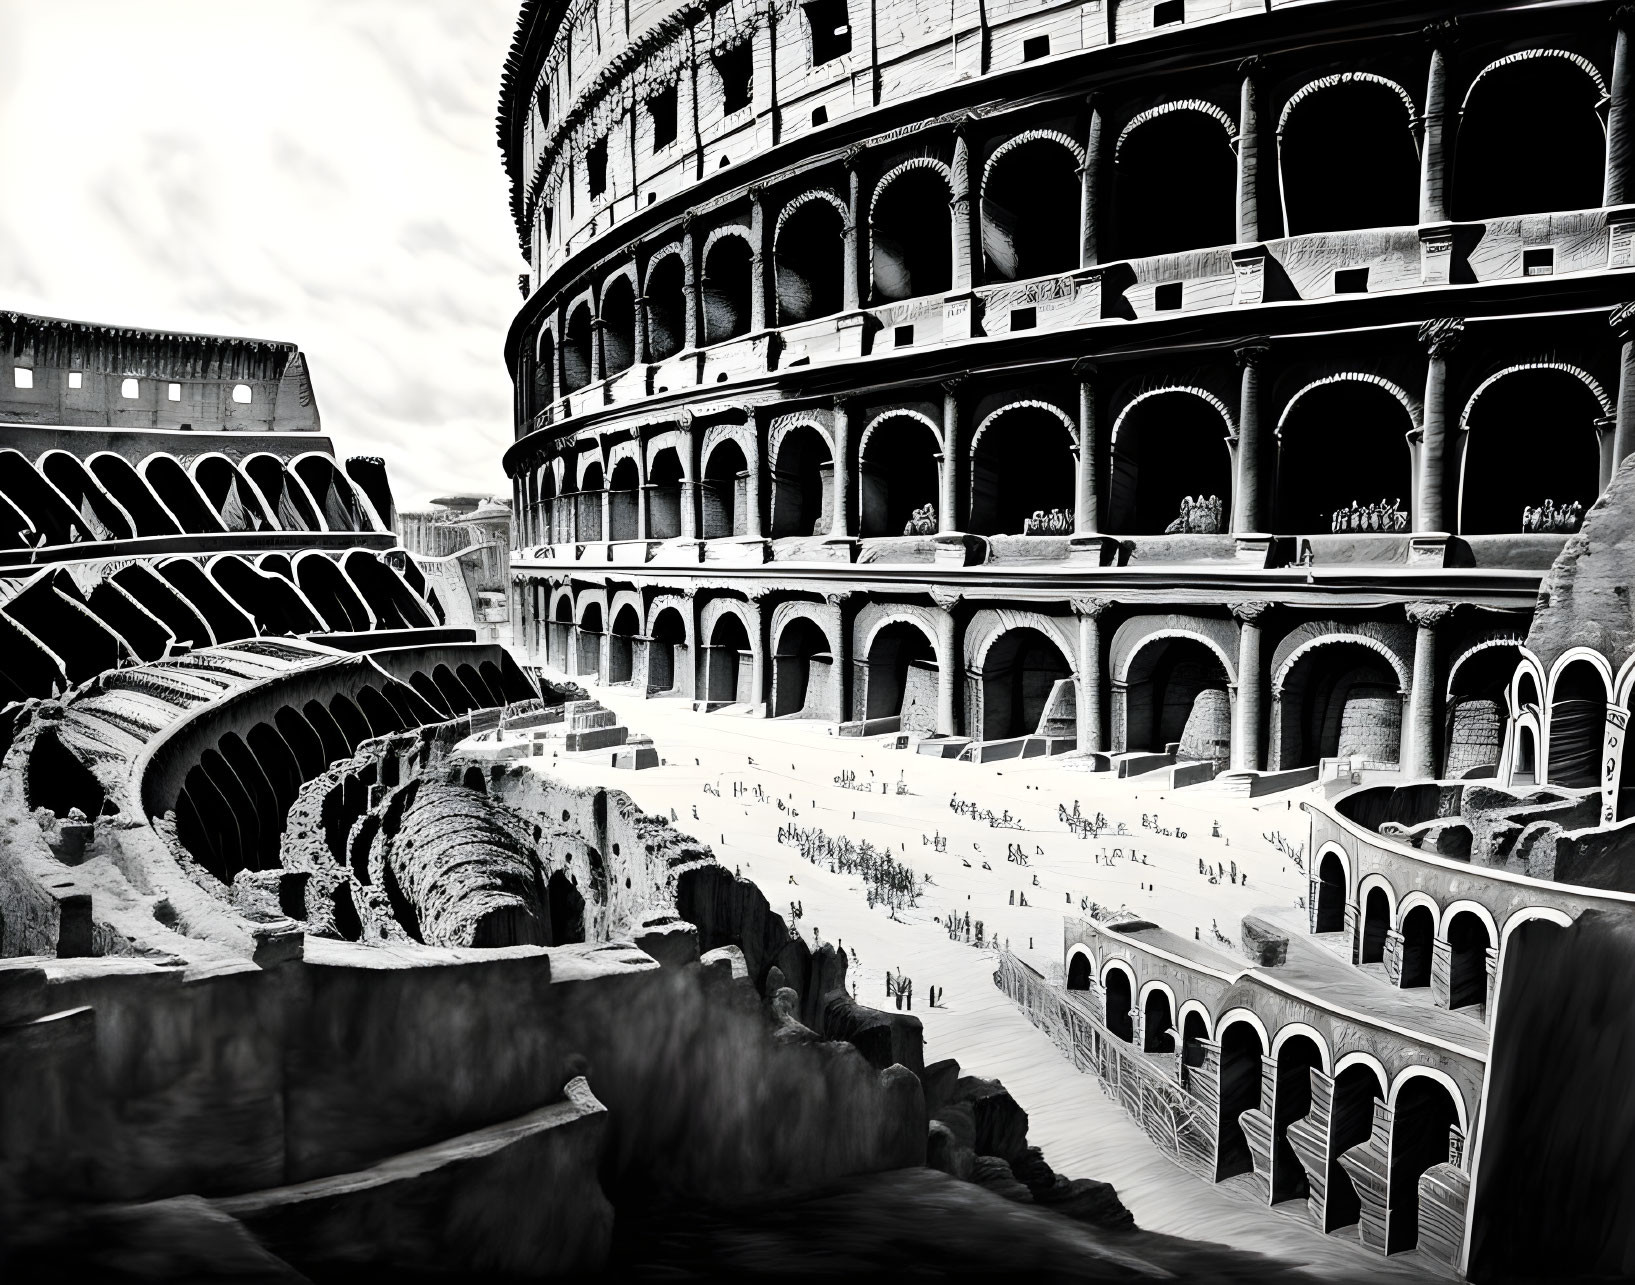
1214,393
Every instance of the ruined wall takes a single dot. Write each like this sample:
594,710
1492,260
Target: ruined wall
1584,599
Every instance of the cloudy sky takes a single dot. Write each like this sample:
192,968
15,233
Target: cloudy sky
322,171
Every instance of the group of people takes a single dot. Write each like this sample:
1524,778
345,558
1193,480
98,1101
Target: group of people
961,929
1382,515
887,881
923,521
996,821
1049,522
1202,515
1548,518
1085,827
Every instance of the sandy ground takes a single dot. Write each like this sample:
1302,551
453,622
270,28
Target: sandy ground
1152,869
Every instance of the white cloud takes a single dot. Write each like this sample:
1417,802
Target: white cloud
322,171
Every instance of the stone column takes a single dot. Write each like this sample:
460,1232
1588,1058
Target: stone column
752,486
964,266
1246,503
758,310
838,528
1418,755
1088,708
1086,502
1434,152
1439,336
1246,711
1622,322
689,281
1620,145
948,661
598,348
641,491
948,514
639,350
1090,189
607,514
851,295
1249,232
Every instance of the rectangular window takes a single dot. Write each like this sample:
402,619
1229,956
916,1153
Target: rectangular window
1539,261
1024,318
129,388
173,392
596,167
736,68
903,336
1035,47
22,377
1351,281
1167,297
820,115
831,30
76,379
662,108
1167,12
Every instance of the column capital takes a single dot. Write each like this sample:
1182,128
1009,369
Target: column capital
1623,16
954,383
1252,353
838,598
947,599
1249,613
841,405
1090,608
1441,335
851,155
1441,35
1622,318
1085,370
1428,615
688,218
1252,66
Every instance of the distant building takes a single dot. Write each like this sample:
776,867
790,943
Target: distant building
463,548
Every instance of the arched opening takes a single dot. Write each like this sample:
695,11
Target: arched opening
621,645
181,496
1331,894
1423,1116
1578,717
1418,944
1347,159
897,474
1343,463
1175,187
624,495
547,522
127,488
1030,212
49,513
1019,673
383,719
1169,449
1194,1031
1530,139
354,727
285,495
59,781
577,353
728,662
101,516
1297,1057
185,622
394,604
1023,471
803,676
1468,942
1351,1123
1376,923
1175,693
1120,1023
1341,700
1078,973
666,308
590,642
565,908
618,325
272,601
802,484
901,681
1241,1052
544,371
911,246
589,501
811,262
1157,1019
559,641
230,494
666,652
1474,726
332,492
723,495
664,496
227,621
1531,454
727,283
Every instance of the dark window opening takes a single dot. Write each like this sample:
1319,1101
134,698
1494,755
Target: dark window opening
1538,262
1024,318
1035,47
1363,487
912,237
1030,212
903,336
1170,448
549,215
1530,140
1347,160
1175,186
820,115
810,262
1507,424
831,30
1351,281
662,108
596,167
1167,12
1167,297
736,68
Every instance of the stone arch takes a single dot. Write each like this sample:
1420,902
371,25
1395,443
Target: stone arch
1174,180
1120,994
1172,683
910,254
727,285
898,477
988,625
1580,689
1209,109
616,310
1466,906
577,353
164,473
1338,690
1010,678
1243,1045
119,478
1145,487
1408,1073
897,663
624,624
231,493
1527,914
1157,1041
1501,638
1374,419
1523,55
1376,916
806,677
1350,160
1030,221
619,599
800,457
586,598
1081,967
1033,470
665,290
1304,638
1330,895
809,265
670,645
95,505
1138,632
1196,1007
728,626
1289,1029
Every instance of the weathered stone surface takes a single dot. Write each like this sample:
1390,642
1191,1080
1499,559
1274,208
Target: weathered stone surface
995,1175
940,1080
884,1038
673,942
1088,1201
1584,598
1001,1125
724,962
943,1151
1266,945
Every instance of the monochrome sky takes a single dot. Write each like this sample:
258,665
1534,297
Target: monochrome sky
322,171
